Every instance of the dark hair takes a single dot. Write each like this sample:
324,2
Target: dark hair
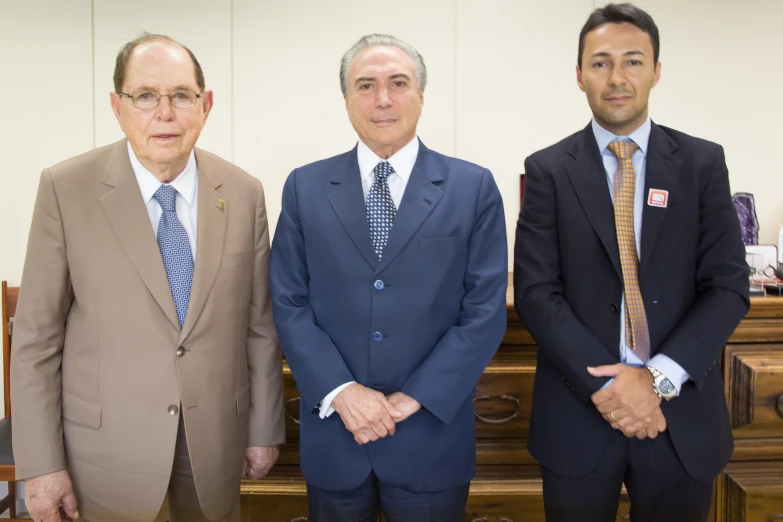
123,57
619,14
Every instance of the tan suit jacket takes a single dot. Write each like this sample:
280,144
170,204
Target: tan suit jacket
99,362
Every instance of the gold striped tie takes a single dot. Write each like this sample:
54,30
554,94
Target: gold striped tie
637,335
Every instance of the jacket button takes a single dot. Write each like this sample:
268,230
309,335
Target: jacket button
180,351
613,308
377,336
173,410
378,285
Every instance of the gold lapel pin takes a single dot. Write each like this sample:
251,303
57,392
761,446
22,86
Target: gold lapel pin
221,204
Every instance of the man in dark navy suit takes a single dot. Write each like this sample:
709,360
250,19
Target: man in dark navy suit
388,275
630,274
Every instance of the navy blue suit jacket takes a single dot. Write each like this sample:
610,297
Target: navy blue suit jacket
568,284
441,311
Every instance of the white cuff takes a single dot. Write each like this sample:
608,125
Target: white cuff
325,408
673,371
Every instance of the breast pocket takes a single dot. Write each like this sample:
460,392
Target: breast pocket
446,244
236,260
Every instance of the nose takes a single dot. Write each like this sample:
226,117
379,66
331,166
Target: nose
383,101
165,110
616,78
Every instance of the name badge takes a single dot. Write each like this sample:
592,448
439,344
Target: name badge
658,198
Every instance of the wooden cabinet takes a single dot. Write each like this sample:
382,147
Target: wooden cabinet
507,487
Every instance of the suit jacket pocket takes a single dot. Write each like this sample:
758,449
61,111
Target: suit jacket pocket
438,244
82,412
243,401
238,259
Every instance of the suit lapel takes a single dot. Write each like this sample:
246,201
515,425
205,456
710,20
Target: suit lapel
127,215
347,198
211,234
663,172
588,176
422,194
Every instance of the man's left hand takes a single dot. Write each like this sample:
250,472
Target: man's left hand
405,404
630,399
259,460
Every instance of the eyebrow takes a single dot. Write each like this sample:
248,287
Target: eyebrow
372,79
175,88
628,53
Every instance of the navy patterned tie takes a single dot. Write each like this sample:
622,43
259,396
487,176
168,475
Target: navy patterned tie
175,250
380,208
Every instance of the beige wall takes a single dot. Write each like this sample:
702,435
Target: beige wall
502,84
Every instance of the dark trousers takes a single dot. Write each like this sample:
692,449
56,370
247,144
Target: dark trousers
659,487
364,503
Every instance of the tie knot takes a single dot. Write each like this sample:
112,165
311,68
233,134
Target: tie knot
623,150
166,195
383,170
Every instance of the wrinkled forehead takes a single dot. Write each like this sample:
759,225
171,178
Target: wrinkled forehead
381,61
161,66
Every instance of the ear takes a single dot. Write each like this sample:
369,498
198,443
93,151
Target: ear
421,98
207,101
114,100
657,76
579,79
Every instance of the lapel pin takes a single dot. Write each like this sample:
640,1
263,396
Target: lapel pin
221,204
658,198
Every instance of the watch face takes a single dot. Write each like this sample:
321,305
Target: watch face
666,387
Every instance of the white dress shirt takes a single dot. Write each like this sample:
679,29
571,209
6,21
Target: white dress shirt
641,136
186,185
402,162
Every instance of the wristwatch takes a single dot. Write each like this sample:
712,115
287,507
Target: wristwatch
662,386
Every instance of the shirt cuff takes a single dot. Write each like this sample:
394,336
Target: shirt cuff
673,371
325,407
610,381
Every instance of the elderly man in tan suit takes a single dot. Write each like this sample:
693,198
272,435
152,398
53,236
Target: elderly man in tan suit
145,360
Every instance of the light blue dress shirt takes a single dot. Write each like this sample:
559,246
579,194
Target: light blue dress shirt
641,136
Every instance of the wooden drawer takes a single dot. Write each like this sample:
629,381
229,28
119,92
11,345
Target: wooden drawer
515,495
274,499
754,391
751,492
291,398
505,394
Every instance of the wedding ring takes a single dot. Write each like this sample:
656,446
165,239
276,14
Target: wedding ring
611,414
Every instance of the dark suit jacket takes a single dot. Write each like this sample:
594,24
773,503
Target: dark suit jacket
440,309
568,285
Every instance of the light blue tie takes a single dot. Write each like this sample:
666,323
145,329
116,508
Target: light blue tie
175,250
380,208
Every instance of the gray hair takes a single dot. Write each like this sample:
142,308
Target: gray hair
373,40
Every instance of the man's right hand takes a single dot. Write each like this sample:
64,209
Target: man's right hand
50,498
365,412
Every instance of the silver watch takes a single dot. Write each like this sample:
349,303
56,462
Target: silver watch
662,386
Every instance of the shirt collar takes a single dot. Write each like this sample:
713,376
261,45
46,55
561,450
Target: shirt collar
640,136
184,184
401,161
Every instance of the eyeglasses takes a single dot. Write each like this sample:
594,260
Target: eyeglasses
148,99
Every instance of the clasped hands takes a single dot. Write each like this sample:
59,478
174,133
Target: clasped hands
629,404
370,415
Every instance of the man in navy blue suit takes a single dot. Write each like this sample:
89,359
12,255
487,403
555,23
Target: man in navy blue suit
388,274
630,274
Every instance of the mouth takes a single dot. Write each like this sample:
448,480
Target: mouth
165,137
618,99
384,123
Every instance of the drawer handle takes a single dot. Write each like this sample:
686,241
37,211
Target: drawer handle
296,420
497,421
505,519
627,516
480,519
299,519
780,408
776,517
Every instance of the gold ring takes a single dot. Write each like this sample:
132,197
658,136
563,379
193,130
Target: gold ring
611,414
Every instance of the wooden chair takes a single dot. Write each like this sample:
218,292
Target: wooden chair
10,295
